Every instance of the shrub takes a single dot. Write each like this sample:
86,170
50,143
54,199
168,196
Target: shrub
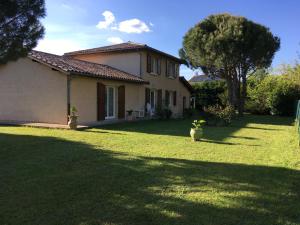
189,112
163,113
259,92
218,115
283,98
208,93
272,94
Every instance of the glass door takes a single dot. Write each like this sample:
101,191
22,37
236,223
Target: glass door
110,103
152,100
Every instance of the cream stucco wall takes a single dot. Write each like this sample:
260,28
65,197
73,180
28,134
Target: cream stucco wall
32,92
128,62
136,63
84,97
163,82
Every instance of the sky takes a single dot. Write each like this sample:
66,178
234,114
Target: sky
79,24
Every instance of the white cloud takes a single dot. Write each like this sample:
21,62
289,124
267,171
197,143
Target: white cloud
133,26
58,46
128,26
109,19
115,40
151,24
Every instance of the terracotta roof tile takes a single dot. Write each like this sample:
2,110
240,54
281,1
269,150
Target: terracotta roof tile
79,67
123,47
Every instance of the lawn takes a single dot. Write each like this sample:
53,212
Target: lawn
151,173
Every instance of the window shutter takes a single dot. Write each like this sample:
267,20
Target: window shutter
148,63
121,102
167,98
159,98
174,98
158,66
100,101
147,96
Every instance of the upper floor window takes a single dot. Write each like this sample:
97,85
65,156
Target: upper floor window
153,64
172,69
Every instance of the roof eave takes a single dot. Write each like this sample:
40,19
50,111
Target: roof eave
186,84
107,78
49,65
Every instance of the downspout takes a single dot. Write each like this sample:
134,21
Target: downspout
68,95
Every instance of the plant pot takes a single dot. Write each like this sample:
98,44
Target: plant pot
72,122
196,134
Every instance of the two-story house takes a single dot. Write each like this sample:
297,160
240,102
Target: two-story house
102,83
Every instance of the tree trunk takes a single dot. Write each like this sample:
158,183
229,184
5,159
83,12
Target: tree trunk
243,96
235,90
230,92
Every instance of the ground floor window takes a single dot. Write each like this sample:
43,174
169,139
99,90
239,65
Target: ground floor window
152,99
110,103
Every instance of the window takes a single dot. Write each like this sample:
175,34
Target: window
153,65
167,98
109,102
172,69
152,99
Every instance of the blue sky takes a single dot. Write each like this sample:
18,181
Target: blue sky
76,24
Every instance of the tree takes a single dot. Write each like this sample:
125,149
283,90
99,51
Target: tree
232,48
20,27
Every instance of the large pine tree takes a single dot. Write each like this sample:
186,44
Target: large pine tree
230,47
20,27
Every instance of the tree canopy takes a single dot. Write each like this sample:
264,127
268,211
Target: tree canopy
230,47
20,27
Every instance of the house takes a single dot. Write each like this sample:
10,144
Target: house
102,83
202,78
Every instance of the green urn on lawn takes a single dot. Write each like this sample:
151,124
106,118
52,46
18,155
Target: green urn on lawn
197,130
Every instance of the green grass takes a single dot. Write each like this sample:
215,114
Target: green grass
151,173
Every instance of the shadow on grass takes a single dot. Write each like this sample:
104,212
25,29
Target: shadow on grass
182,127
50,181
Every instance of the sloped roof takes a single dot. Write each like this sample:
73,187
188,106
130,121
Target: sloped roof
186,84
123,47
201,78
83,68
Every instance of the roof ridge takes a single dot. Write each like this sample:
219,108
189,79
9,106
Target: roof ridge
106,46
122,47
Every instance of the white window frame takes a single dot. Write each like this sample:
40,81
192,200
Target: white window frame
172,69
154,65
107,103
154,100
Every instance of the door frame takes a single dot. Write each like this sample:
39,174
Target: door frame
107,102
154,98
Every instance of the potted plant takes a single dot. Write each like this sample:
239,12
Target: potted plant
130,114
73,118
197,130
